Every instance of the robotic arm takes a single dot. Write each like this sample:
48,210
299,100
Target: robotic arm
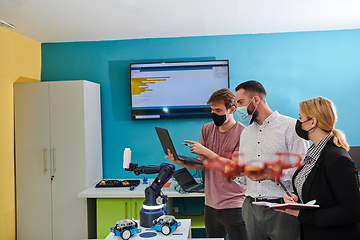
153,206
152,193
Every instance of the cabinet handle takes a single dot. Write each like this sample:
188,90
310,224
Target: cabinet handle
135,210
45,168
54,167
126,210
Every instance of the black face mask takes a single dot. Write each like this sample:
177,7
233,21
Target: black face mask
218,119
300,132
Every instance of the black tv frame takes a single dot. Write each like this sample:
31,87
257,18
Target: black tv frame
174,112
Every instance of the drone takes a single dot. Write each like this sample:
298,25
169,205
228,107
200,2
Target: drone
226,165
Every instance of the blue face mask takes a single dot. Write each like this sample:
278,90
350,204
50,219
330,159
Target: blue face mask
244,116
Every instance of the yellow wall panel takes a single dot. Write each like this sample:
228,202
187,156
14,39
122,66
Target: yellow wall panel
20,61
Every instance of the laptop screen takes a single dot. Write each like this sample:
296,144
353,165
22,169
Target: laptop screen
184,178
165,141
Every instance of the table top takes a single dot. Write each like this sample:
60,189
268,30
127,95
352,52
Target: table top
183,232
138,192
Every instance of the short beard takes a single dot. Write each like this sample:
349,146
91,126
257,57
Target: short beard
254,116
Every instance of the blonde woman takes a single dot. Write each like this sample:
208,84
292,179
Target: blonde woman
329,176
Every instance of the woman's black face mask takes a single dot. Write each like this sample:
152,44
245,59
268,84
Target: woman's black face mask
300,132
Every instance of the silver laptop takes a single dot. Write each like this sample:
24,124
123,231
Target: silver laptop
187,181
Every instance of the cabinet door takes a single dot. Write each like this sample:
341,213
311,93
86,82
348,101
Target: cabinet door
108,212
136,205
32,154
67,126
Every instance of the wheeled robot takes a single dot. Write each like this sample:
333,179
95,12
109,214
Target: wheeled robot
165,224
125,228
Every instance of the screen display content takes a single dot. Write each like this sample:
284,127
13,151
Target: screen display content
173,90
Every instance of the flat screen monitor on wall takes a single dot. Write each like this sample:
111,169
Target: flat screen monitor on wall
173,90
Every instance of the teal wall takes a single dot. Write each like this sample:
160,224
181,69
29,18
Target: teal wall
291,66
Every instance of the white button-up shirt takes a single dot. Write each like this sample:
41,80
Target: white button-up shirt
261,142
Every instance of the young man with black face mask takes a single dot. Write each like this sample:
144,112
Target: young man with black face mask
223,199
268,133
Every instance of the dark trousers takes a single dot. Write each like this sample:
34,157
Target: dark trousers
267,224
222,222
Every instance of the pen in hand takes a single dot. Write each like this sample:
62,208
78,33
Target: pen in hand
286,191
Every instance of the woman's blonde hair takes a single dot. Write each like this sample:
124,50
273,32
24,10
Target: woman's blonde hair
325,113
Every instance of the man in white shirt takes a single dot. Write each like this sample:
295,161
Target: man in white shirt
269,132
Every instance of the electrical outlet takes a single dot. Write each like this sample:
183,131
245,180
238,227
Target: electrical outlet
175,209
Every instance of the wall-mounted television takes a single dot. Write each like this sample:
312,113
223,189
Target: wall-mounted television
173,90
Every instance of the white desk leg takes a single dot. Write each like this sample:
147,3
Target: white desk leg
189,235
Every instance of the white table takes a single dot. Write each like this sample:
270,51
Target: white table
183,232
138,192
92,194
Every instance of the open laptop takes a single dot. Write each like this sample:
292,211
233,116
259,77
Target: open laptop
167,143
187,181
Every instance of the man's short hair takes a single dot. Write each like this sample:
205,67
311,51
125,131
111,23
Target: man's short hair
224,94
252,88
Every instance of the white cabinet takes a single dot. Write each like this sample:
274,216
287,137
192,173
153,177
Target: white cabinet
58,154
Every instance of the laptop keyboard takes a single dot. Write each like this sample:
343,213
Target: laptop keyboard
189,159
197,188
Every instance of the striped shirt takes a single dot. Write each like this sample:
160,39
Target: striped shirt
311,158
